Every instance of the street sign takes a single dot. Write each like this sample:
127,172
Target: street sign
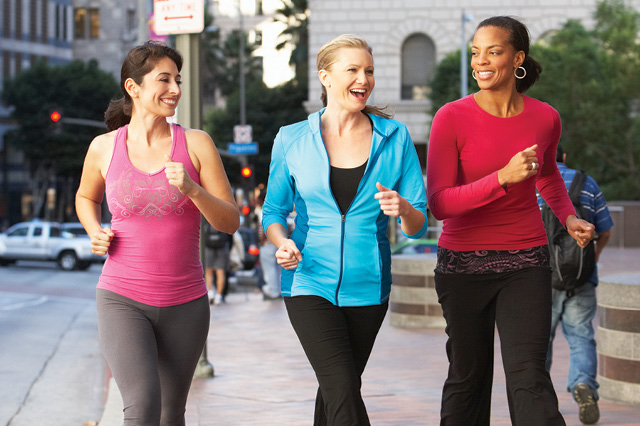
178,16
250,148
242,133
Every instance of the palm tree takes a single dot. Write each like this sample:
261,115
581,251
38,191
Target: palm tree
295,15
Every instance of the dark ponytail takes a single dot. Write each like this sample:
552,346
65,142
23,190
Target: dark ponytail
139,62
519,39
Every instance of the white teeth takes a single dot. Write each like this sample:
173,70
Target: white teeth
169,101
485,73
359,90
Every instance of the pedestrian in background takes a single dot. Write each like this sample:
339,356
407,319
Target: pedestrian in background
576,312
153,313
347,169
271,269
216,262
488,152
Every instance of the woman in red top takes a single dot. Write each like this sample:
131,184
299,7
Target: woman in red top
488,152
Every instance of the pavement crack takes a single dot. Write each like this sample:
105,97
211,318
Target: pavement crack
53,353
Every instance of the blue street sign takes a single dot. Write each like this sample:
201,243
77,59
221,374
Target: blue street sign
250,148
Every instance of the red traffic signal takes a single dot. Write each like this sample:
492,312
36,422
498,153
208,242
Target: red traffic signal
246,171
55,116
246,210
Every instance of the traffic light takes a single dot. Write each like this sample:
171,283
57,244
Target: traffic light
56,121
55,116
246,172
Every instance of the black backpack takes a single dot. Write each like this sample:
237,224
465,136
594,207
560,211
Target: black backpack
571,265
212,237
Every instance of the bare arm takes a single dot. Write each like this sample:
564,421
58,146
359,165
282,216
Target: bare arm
213,197
91,192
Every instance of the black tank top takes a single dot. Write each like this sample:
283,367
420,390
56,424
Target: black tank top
344,184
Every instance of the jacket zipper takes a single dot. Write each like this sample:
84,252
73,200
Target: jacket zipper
341,253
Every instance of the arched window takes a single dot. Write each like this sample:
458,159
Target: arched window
418,66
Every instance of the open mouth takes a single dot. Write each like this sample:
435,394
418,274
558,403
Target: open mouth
484,74
359,93
170,102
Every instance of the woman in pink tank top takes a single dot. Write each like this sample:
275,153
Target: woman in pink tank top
153,311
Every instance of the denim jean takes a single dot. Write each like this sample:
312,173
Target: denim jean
270,269
576,317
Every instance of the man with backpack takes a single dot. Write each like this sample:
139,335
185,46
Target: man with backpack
216,255
575,277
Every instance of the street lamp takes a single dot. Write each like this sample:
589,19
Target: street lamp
464,79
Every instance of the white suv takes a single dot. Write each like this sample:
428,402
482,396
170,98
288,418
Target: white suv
38,240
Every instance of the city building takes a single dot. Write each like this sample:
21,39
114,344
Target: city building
30,31
105,31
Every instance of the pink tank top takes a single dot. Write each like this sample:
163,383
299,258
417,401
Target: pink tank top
154,256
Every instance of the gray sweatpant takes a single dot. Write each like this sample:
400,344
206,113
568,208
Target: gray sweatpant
152,353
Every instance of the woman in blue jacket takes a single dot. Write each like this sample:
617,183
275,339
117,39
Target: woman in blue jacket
345,169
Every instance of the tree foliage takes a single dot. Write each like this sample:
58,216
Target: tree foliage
267,110
445,86
76,90
591,78
221,62
54,156
295,15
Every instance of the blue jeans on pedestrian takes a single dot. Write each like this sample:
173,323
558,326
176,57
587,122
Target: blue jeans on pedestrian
270,269
576,317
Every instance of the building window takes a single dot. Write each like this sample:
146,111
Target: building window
418,66
86,23
44,16
79,19
259,11
94,23
33,21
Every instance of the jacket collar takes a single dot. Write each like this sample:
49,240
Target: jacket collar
381,126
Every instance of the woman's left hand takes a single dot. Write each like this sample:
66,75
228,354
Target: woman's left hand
178,176
391,203
581,230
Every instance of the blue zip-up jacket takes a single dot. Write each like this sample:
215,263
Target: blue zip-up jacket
346,260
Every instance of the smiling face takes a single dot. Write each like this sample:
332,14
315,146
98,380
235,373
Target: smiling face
349,80
494,59
159,91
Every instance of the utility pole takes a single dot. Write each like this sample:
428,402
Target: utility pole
464,77
188,26
243,105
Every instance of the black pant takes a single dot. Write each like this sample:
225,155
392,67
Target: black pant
337,341
519,303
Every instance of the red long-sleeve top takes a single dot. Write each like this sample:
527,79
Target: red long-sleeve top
467,147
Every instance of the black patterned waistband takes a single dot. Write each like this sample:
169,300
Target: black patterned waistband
490,261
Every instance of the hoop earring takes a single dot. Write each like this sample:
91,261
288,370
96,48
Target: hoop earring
473,74
515,72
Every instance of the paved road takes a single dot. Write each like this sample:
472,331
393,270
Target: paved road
51,369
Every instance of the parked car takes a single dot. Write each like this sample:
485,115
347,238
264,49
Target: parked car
420,245
39,240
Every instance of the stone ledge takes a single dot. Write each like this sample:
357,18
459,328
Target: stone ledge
619,391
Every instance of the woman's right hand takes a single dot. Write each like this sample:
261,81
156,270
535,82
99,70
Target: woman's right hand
101,241
288,255
521,167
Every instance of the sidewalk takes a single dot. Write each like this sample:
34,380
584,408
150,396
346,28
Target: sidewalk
262,376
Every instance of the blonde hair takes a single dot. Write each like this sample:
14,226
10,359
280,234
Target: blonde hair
327,57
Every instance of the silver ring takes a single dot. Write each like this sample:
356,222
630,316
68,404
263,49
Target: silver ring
534,165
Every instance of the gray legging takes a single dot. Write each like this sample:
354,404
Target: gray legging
152,352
